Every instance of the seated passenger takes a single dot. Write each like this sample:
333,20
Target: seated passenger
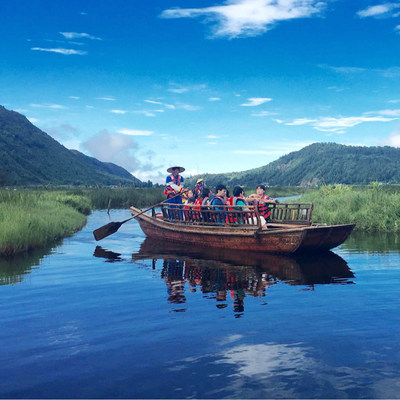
261,200
188,195
201,204
188,209
237,201
218,200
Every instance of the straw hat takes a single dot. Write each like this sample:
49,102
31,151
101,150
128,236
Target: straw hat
181,169
200,180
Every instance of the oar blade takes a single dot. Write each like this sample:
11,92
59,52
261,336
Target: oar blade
106,230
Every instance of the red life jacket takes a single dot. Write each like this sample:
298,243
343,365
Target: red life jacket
198,203
196,209
232,217
263,208
168,190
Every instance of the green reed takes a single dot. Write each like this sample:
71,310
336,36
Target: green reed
105,198
32,219
373,208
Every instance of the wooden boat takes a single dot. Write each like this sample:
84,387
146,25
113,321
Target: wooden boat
289,229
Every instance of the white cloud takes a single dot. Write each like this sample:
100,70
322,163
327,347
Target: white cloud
212,137
66,52
388,113
379,10
169,106
153,102
300,121
339,124
178,90
263,114
52,106
390,72
214,99
393,140
256,101
239,18
113,148
74,97
118,111
134,132
76,35
188,107
342,70
106,98
33,120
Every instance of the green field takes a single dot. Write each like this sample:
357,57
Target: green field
31,219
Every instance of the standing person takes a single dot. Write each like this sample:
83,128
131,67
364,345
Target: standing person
261,200
174,186
200,185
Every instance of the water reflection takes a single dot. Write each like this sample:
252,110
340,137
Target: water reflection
228,275
13,269
373,243
109,255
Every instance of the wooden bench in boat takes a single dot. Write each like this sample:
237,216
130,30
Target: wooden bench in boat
282,214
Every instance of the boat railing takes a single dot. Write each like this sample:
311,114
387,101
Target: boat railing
248,216
291,213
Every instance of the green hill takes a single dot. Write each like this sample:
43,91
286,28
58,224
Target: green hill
29,156
320,163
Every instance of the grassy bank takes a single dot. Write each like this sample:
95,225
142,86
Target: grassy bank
373,208
32,219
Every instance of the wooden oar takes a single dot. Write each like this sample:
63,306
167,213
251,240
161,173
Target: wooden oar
112,227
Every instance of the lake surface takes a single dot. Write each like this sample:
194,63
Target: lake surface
136,318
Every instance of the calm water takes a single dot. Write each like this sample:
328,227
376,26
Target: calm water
136,318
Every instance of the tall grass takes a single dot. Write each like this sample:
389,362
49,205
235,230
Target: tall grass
121,198
32,219
372,208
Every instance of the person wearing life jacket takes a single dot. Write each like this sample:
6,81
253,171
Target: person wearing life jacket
174,186
218,200
201,204
236,202
261,200
188,209
200,185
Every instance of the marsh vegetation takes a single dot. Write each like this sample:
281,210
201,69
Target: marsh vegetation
32,219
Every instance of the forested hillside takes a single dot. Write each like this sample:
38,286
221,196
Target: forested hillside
320,163
29,156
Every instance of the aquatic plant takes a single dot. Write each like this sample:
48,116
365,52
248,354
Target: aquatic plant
33,219
370,207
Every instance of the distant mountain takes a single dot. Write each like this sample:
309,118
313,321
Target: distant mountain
29,156
320,163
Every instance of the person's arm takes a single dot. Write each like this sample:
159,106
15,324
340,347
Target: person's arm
175,187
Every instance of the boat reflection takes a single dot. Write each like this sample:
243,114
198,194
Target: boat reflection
221,274
109,255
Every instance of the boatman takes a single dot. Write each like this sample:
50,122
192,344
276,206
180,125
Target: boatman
174,184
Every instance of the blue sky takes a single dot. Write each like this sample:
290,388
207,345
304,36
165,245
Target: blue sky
214,86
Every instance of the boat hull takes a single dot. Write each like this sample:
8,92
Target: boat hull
284,240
